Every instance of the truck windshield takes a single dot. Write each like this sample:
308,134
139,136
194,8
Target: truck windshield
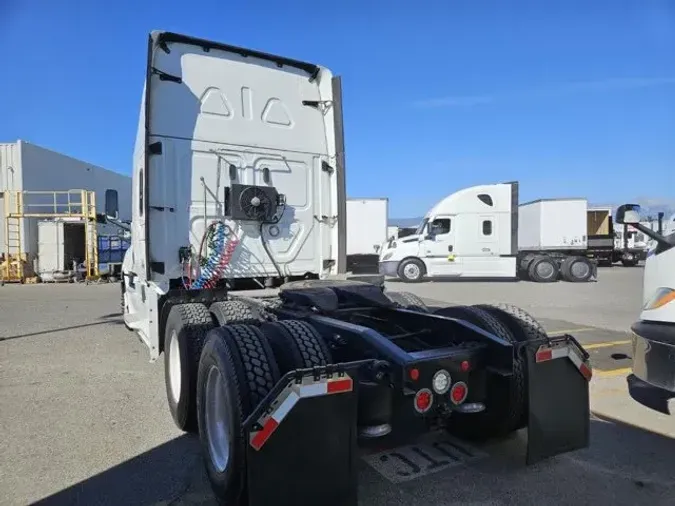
421,227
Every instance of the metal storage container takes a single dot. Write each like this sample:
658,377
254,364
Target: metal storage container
61,244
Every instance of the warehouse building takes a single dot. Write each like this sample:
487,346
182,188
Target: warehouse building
28,168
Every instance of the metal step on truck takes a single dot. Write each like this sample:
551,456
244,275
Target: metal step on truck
239,181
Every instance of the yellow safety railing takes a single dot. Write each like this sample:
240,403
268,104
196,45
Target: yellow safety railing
21,205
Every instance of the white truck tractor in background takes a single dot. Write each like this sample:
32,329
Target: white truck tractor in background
654,332
630,246
238,181
482,232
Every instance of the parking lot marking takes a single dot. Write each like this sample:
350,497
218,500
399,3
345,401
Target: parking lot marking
410,462
624,371
607,344
555,333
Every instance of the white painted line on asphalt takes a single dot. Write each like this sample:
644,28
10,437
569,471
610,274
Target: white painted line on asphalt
555,333
595,346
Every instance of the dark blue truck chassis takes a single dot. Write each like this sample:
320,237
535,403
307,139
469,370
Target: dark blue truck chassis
377,371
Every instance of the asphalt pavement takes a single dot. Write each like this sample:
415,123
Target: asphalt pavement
84,420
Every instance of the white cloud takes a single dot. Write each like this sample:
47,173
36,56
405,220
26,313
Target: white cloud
554,91
457,101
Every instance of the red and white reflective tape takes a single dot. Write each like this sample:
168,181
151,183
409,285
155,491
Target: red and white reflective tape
290,396
546,353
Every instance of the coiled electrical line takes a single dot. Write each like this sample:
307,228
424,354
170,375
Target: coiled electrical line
221,243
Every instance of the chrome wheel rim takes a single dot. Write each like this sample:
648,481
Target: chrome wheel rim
216,421
545,270
411,271
580,270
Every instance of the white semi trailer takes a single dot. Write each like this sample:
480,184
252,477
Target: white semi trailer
238,175
366,232
482,232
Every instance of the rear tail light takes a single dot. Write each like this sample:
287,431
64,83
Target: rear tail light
423,400
458,392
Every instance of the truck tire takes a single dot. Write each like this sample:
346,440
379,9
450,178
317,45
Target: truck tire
505,397
411,270
408,300
296,345
185,333
229,312
543,269
236,371
524,327
630,263
576,269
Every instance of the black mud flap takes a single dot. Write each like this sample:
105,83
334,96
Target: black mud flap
301,447
559,410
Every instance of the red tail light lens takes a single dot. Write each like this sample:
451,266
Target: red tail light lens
423,400
458,392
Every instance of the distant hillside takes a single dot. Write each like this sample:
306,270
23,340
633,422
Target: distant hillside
650,209
405,222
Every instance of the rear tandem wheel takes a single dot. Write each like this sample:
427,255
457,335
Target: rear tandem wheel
543,269
185,333
505,397
296,345
408,300
524,327
576,269
228,312
237,369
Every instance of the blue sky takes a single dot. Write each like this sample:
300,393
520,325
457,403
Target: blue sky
570,97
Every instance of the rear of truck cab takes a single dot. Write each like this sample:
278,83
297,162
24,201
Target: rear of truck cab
217,115
213,116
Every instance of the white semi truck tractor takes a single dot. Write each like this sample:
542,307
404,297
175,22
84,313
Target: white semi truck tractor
483,232
238,180
653,334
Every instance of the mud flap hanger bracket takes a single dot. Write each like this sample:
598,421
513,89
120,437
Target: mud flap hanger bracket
550,348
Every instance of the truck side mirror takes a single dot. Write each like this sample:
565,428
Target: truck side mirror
111,204
628,214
